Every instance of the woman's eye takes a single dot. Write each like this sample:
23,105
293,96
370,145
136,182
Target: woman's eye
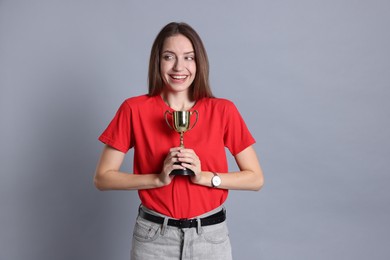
190,58
168,57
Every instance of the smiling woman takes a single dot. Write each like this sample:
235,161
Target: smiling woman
201,79
177,66
179,210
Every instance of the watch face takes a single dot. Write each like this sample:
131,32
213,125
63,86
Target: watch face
216,181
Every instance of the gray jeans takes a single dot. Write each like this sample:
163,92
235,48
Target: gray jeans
160,241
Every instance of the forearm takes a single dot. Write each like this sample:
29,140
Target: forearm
116,180
242,180
250,176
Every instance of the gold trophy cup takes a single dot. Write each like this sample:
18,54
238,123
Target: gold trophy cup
181,124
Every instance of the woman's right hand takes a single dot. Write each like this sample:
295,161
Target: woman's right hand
169,166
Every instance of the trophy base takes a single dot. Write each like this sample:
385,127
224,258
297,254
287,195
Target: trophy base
183,172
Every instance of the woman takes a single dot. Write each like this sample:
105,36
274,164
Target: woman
180,217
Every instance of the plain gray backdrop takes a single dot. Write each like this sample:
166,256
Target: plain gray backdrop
311,78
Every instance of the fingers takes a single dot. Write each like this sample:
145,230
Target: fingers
182,155
189,159
171,161
180,158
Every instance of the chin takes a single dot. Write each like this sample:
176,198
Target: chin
176,88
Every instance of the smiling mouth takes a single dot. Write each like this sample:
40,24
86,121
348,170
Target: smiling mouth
178,77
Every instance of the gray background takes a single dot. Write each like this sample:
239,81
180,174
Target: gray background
311,78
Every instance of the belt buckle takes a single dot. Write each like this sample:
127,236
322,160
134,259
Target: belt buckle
185,222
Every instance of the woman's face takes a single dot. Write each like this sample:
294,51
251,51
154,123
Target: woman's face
177,63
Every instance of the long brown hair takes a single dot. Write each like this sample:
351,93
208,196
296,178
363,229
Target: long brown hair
200,87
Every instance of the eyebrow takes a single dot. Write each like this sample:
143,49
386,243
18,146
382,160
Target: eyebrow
189,52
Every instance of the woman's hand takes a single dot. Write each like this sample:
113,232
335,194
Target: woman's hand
184,158
169,166
190,160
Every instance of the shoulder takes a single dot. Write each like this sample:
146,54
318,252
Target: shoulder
219,103
140,101
136,100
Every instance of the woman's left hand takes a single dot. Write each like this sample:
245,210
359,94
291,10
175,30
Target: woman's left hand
190,160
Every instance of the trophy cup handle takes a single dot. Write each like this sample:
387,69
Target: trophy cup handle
166,119
196,120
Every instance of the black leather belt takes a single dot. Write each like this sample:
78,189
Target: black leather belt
216,218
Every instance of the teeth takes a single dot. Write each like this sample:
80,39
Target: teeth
179,77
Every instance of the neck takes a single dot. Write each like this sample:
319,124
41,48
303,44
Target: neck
178,102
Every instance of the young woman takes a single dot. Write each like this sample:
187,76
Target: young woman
180,217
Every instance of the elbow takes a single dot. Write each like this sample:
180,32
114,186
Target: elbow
259,185
97,181
259,182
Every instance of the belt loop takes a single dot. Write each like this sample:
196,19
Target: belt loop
199,228
164,226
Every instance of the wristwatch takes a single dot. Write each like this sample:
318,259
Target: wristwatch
216,180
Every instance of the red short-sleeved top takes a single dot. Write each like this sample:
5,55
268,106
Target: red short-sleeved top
140,124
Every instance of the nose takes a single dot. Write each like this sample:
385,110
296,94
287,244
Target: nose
178,66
